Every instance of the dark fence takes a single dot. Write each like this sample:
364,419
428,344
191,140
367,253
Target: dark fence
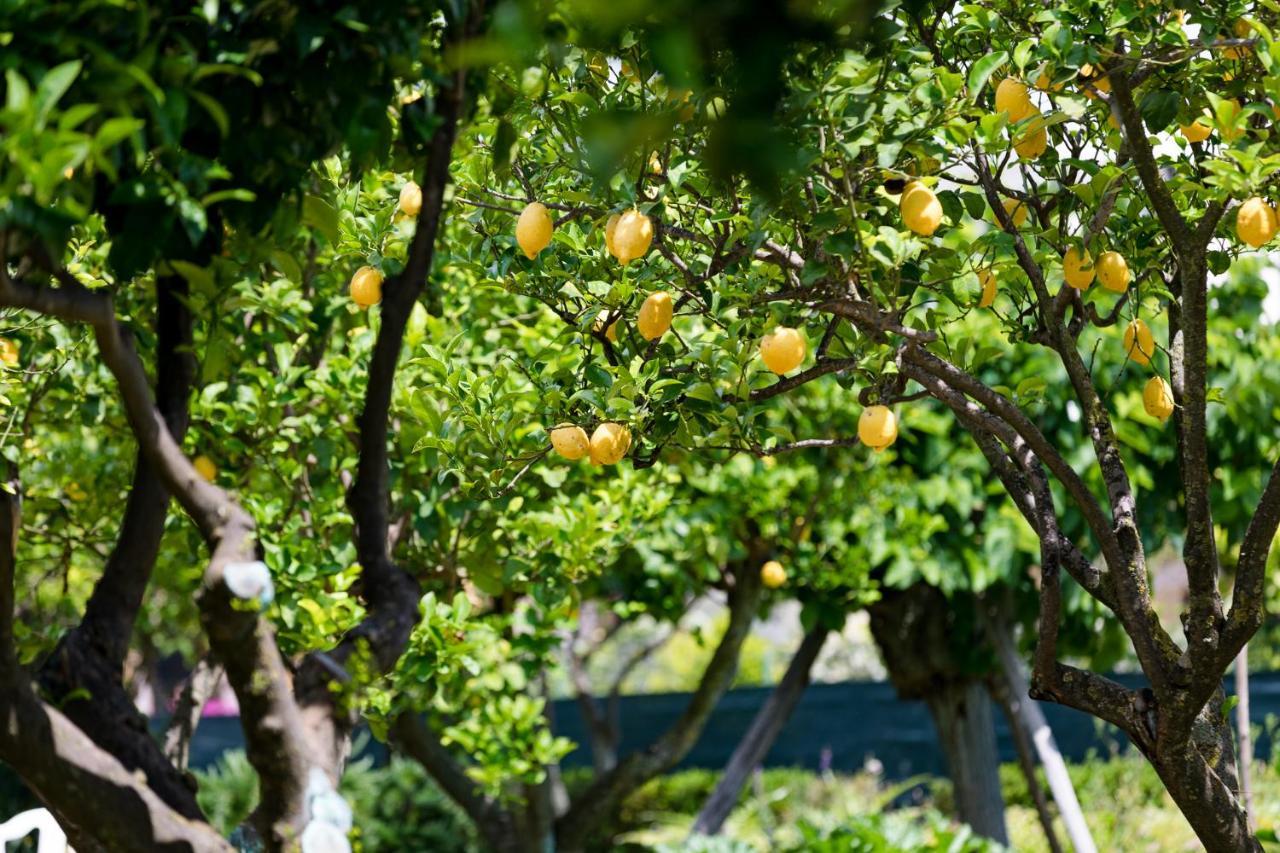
840,726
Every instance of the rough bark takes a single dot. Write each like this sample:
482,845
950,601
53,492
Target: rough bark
761,735
99,802
390,593
87,664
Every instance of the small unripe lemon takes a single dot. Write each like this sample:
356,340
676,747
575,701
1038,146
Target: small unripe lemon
1017,211
366,287
1197,131
205,468
921,211
1256,222
782,350
716,108
1033,141
76,493
1113,271
1157,398
1077,268
631,236
772,574
655,316
9,352
410,199
609,443
1139,344
988,280
570,441
533,229
877,427
1013,98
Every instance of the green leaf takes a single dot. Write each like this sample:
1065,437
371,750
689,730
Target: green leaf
53,86
320,215
982,71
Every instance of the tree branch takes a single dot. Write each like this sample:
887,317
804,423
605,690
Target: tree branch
599,800
390,593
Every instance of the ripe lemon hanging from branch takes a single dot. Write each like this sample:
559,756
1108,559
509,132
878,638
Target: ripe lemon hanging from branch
533,229
655,316
782,350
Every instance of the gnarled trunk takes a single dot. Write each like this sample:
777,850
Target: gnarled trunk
925,639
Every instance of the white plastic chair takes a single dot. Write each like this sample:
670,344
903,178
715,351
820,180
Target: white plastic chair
51,838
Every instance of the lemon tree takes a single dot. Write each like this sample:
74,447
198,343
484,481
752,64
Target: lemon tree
899,169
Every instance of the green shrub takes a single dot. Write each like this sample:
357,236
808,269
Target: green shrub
397,807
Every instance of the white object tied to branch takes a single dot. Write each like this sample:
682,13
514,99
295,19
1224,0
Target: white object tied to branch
329,817
51,838
250,581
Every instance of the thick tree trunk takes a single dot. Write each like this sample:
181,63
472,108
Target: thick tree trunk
962,713
760,737
1200,775
927,641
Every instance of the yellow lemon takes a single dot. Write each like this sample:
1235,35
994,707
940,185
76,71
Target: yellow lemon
1033,141
1016,210
655,316
366,287
1241,29
1044,82
533,229
782,350
609,443
655,165
611,332
205,468
1197,131
772,574
410,199
9,352
1157,398
610,227
631,236
1113,271
877,427
988,280
1139,344
1077,268
921,211
1098,84
570,441
76,493
1013,98
1256,222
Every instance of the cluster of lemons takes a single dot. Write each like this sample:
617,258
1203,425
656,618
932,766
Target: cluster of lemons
366,284
627,237
1257,221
